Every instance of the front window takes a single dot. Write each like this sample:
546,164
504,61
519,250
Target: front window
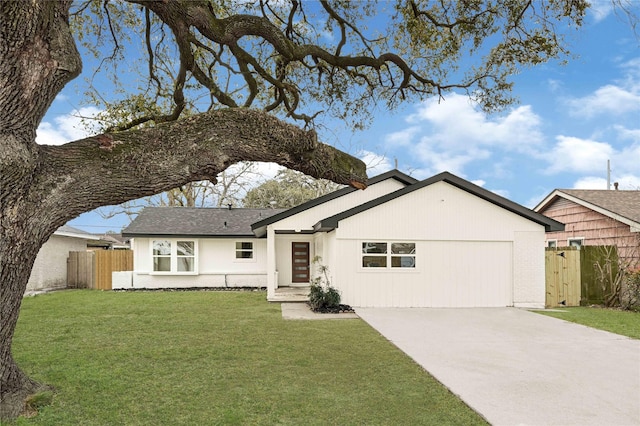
374,255
403,255
162,256
383,255
575,242
186,256
552,243
244,250
174,256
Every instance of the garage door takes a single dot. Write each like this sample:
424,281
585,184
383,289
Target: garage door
467,274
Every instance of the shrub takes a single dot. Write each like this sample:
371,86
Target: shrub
631,291
322,296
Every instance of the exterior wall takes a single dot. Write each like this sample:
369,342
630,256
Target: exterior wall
437,212
447,274
217,265
594,227
50,268
306,219
529,270
469,252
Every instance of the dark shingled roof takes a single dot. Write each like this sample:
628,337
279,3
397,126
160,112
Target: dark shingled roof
196,222
623,203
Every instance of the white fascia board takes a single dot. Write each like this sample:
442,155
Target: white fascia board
75,235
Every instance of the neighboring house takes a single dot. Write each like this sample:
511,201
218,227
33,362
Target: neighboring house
49,270
595,217
441,242
109,241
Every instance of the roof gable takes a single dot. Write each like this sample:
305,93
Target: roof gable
393,174
196,222
549,224
623,206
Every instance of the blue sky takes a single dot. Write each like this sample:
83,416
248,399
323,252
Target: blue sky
570,120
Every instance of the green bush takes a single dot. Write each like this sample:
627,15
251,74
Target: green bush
323,299
631,293
322,296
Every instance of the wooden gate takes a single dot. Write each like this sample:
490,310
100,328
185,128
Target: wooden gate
80,270
562,277
92,269
571,275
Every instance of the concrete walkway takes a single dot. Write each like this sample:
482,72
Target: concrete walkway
516,367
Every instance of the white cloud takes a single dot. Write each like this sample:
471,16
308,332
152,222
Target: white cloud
578,155
455,134
501,192
590,182
600,9
68,127
376,164
620,97
402,138
609,99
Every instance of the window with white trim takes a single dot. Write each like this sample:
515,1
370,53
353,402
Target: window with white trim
174,256
244,250
552,243
575,242
385,255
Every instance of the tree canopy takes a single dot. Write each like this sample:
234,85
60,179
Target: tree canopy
195,86
288,189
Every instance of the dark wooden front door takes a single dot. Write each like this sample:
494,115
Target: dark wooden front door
299,262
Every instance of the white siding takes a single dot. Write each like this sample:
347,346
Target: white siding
529,270
436,212
469,253
306,219
217,265
50,267
447,274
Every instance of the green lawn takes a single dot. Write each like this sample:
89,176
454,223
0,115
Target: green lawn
196,358
626,323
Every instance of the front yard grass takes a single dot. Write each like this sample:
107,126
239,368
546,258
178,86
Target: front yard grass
195,358
626,323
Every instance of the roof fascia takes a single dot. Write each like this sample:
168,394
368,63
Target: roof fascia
548,223
635,226
216,236
76,235
392,174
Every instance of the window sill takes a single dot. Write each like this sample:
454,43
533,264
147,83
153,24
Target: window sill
172,273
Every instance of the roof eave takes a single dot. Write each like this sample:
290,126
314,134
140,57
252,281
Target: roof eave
633,225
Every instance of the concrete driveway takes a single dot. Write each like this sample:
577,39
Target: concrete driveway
516,367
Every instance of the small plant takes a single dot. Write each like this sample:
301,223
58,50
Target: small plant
322,296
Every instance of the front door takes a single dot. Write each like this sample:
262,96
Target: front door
299,262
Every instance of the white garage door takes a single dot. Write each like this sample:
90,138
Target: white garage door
467,273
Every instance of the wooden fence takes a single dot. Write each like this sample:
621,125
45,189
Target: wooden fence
92,269
571,277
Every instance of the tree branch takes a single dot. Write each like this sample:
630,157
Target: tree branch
142,162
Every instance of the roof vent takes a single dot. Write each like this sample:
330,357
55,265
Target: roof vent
225,223
615,185
229,206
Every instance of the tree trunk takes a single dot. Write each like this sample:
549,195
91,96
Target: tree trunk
43,187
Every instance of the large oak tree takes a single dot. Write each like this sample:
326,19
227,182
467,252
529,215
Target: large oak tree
225,81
